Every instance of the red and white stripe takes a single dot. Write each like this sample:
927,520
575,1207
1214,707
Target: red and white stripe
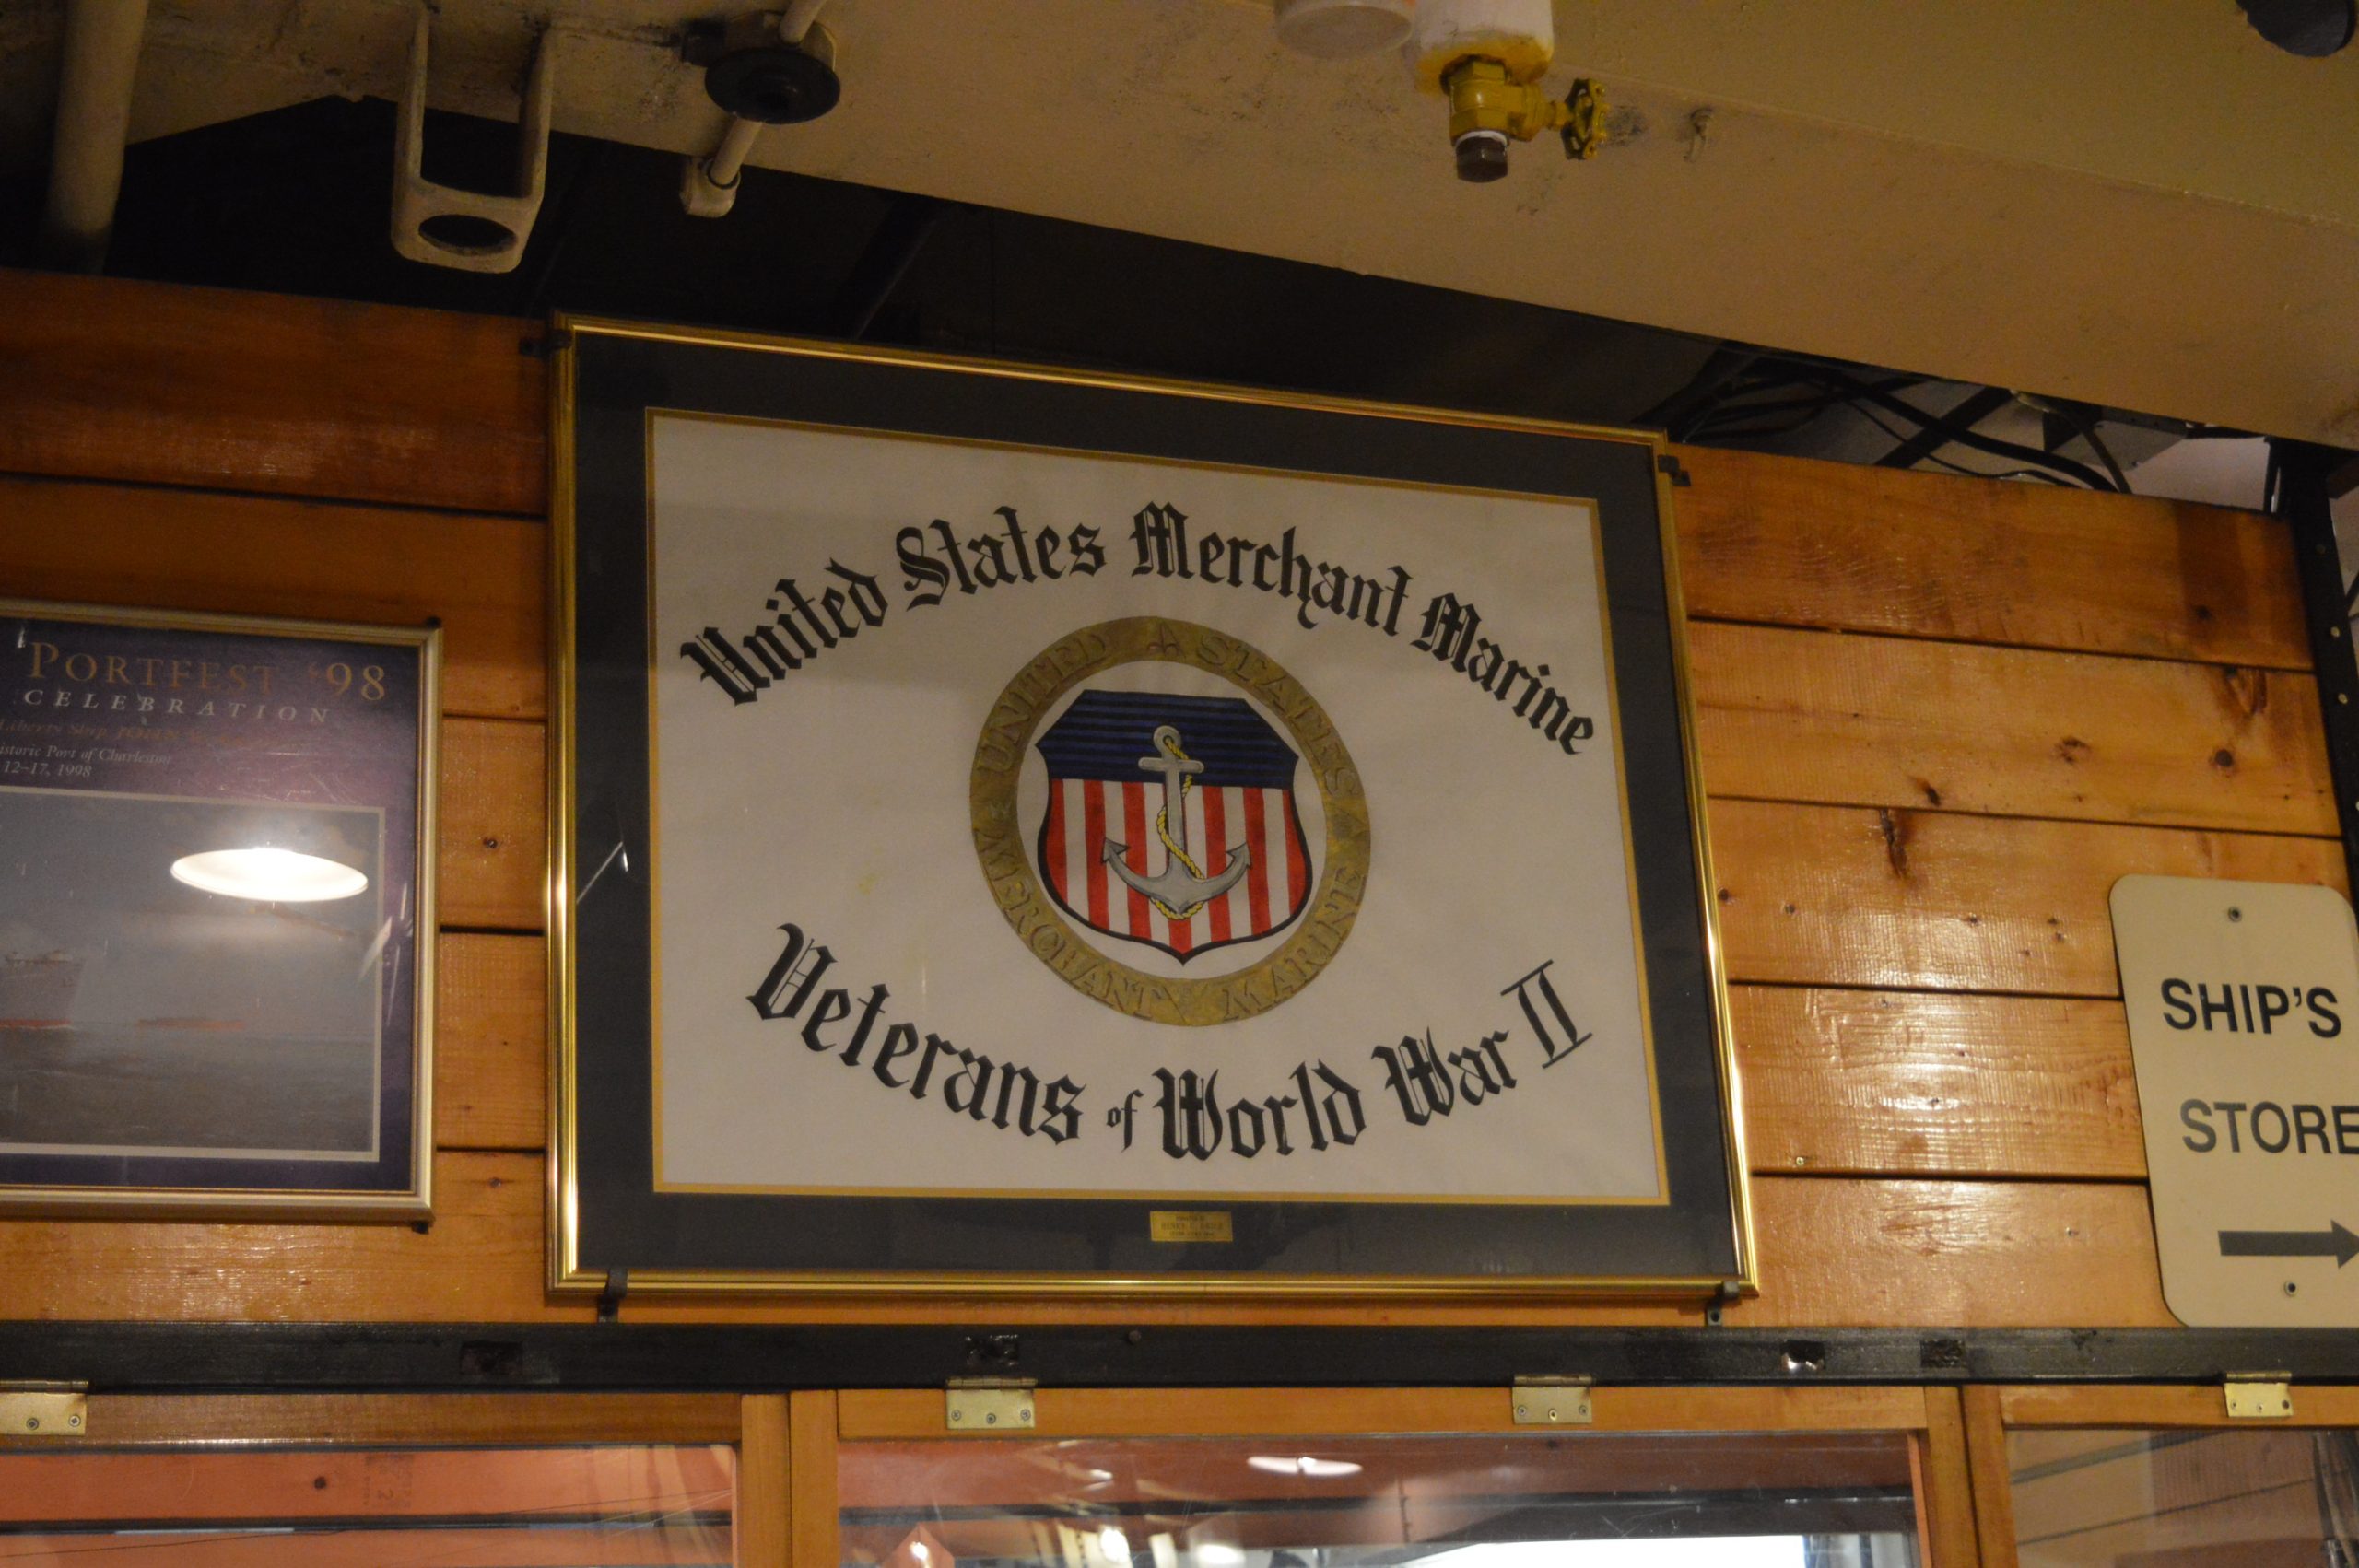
1085,813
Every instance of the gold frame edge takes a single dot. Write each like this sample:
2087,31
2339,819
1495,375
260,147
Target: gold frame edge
566,1275
253,1205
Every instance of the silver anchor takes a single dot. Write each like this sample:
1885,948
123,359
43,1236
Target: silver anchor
1179,889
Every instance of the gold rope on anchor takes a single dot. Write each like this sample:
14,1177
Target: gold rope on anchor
1169,746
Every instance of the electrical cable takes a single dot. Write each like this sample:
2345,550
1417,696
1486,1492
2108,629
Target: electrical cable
2080,421
1735,401
1989,444
1779,372
1941,462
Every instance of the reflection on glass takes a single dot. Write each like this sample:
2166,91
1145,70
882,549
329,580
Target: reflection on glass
2248,1498
270,875
165,992
1815,1500
585,1507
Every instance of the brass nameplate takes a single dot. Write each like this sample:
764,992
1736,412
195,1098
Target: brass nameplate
1189,1225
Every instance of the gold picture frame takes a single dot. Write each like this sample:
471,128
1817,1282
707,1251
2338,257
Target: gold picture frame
705,374
217,924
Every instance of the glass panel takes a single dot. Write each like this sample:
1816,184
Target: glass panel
587,1507
2278,1498
1552,1501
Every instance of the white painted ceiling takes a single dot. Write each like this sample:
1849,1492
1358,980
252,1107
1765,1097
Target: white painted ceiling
2134,201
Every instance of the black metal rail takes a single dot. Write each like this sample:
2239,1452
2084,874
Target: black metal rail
589,1357
2303,489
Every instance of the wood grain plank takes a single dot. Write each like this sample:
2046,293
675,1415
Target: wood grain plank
813,1509
1921,1083
1798,543
479,1262
764,1495
510,1419
444,1546
1835,1252
490,1054
1809,895
1940,900
2143,1406
881,1415
256,555
1945,1499
1994,1500
599,1477
1886,721
1835,1081
494,841
109,378
1993,1254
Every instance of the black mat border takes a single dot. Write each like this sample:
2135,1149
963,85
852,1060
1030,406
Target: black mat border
616,380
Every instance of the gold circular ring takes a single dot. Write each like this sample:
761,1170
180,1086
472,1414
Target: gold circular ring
1015,885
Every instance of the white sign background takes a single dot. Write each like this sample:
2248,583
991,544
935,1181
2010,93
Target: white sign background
839,802
2205,1076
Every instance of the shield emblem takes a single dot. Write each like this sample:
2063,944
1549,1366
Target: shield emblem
1171,820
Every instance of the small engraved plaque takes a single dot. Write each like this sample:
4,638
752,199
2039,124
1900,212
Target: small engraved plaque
1189,1225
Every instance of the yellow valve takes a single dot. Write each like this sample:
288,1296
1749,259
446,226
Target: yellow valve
1487,109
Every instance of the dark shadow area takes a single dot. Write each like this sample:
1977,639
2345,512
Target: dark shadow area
299,200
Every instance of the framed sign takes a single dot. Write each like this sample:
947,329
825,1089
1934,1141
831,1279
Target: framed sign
1022,831
216,913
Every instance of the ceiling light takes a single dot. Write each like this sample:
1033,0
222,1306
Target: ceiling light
1114,1544
269,875
1302,1465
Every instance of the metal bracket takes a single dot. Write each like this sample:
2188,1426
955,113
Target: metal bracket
987,1404
469,229
610,1299
44,1409
2305,497
2258,1395
1549,1402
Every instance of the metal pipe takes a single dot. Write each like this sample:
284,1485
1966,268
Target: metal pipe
709,186
97,62
730,157
800,15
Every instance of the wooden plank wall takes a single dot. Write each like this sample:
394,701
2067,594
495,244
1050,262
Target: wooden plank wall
1939,717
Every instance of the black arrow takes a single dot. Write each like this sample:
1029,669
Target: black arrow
2332,1242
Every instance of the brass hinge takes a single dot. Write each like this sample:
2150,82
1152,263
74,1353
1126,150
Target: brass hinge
44,1409
2258,1395
987,1404
1551,1402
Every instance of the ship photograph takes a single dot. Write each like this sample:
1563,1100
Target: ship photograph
37,988
161,995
